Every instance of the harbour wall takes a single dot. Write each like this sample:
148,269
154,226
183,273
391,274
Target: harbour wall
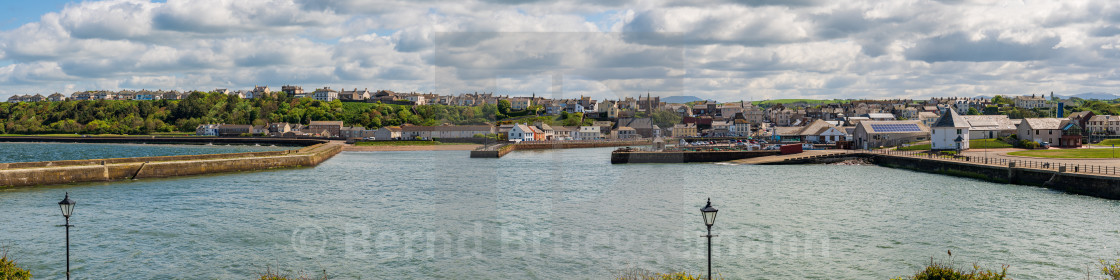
497,152
169,140
66,172
1101,186
618,157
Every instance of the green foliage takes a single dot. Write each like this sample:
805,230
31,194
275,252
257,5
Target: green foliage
275,275
9,270
946,271
641,274
147,117
1109,142
665,119
1027,144
1111,269
973,111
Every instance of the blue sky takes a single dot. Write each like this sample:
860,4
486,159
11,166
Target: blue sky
16,13
723,49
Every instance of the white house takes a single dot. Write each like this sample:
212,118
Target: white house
589,133
206,130
520,132
948,131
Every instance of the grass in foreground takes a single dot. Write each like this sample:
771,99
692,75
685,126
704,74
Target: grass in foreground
938,270
1068,153
642,274
10,270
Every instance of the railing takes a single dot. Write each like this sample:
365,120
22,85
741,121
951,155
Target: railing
1018,163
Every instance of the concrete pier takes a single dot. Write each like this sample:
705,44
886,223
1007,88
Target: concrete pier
499,150
102,170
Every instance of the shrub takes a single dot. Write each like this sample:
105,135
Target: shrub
1111,269
946,271
1028,144
642,274
273,275
10,271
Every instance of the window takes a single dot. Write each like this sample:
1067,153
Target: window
958,131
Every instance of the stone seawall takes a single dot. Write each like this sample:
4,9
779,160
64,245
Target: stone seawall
1107,187
52,173
685,157
505,149
169,140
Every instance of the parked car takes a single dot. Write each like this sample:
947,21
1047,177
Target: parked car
1045,145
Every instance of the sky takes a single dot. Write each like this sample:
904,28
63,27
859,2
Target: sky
727,50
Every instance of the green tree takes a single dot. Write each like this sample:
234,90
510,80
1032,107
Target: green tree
504,107
973,111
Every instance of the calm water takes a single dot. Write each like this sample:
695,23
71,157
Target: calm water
23,152
565,214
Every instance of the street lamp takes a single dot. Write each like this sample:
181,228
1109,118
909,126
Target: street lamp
67,207
959,140
709,214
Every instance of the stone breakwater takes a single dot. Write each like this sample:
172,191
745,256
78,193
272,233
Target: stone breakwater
499,150
115,169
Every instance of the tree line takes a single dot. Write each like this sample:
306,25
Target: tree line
145,117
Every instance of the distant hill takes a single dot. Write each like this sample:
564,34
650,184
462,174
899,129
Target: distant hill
1097,95
680,99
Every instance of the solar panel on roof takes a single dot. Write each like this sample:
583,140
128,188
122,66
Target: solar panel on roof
907,127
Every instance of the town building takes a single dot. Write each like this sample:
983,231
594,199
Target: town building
520,132
388,133
206,130
325,128
1041,130
950,132
871,134
325,94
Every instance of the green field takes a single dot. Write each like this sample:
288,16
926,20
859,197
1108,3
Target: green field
1070,153
1109,142
972,144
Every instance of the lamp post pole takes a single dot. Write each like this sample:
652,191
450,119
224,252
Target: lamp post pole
709,214
67,207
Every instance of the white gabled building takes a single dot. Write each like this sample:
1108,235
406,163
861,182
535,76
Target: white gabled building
949,130
520,132
589,133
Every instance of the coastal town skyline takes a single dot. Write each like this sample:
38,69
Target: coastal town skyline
762,50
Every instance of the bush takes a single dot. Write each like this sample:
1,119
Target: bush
946,271
273,275
1028,144
641,274
10,271
1111,269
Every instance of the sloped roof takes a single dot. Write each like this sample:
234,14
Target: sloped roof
1043,123
951,119
870,126
989,122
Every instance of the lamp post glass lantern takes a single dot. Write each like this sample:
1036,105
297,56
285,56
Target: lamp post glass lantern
67,207
709,214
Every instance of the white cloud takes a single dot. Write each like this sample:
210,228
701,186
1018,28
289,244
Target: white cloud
728,50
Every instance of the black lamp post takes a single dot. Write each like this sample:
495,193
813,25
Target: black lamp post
709,214
959,140
67,207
